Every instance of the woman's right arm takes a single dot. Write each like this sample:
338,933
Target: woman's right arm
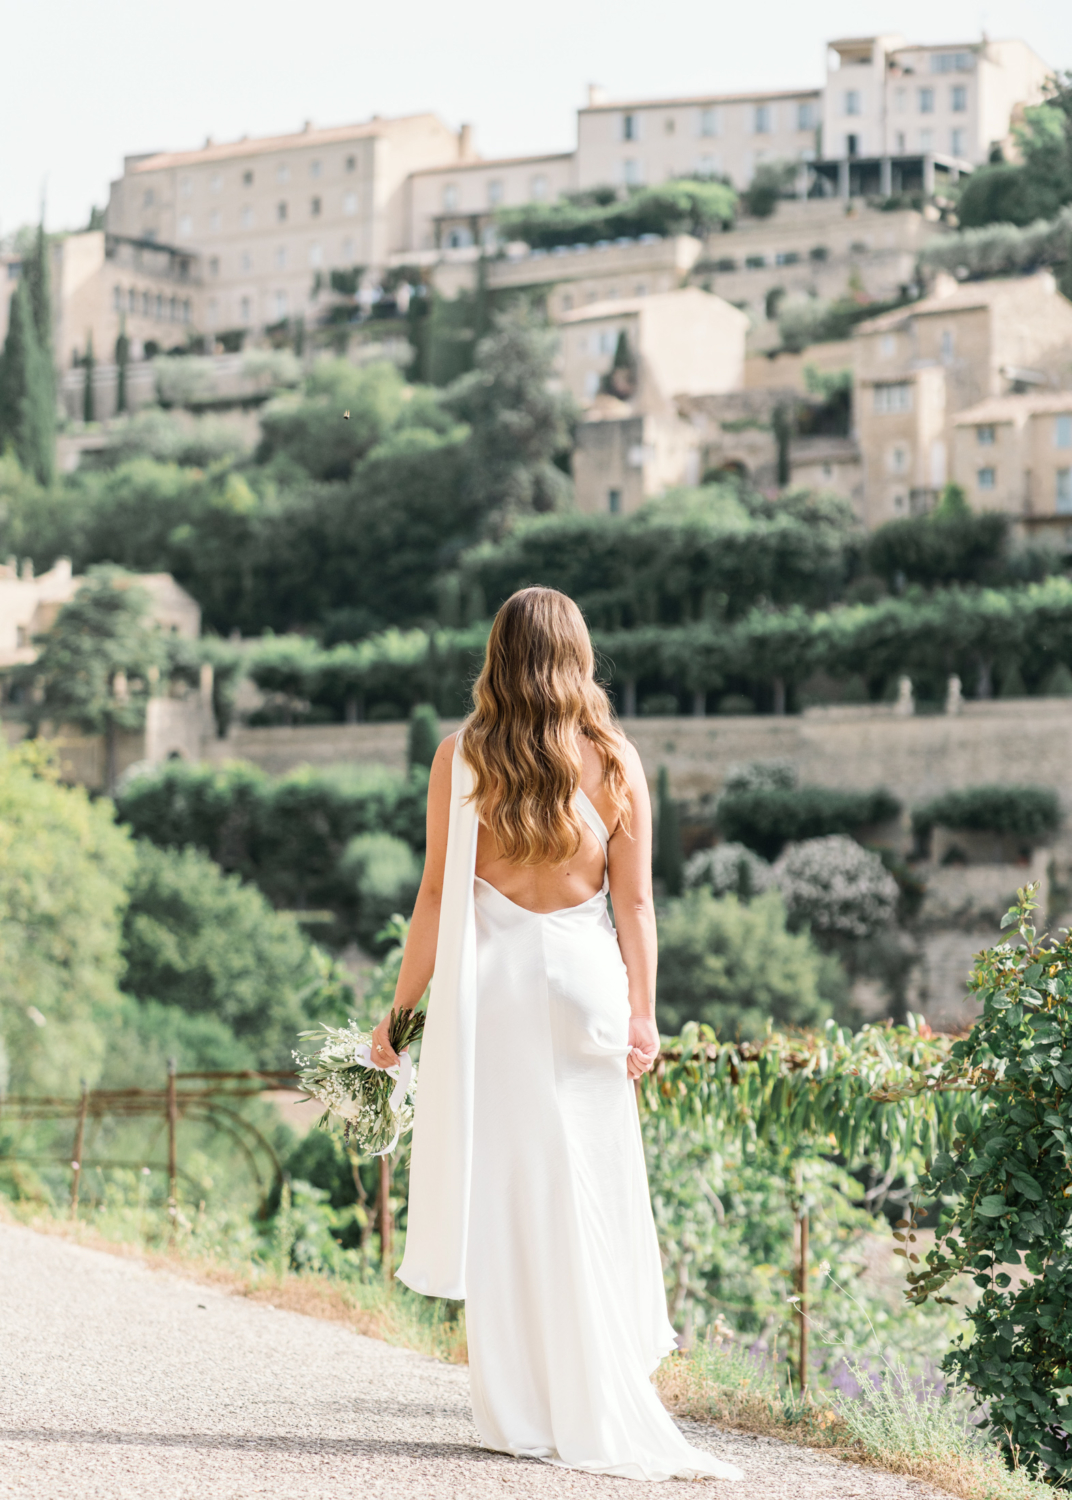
418,960
629,873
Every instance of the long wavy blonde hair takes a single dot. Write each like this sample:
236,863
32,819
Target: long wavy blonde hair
535,695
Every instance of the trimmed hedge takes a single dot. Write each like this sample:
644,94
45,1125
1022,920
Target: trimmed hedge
285,834
767,818
1029,812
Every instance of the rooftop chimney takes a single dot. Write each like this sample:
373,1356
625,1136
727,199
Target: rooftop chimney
465,142
597,95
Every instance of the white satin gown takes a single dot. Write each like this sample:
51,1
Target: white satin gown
565,1304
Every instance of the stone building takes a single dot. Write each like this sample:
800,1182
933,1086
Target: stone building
917,368
1014,454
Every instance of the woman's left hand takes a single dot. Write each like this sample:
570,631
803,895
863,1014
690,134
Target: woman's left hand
383,1054
643,1045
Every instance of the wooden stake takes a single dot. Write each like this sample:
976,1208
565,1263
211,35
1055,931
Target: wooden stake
79,1142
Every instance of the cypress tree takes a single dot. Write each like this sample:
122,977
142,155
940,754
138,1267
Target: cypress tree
669,858
122,359
89,405
39,280
27,391
423,735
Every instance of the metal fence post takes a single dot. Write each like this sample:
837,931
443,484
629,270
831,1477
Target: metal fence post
79,1141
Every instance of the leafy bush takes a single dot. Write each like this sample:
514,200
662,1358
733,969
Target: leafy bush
728,870
999,247
771,181
833,886
170,437
765,819
424,736
383,874
198,939
1029,812
63,871
1006,1181
810,320
284,834
677,207
935,549
736,967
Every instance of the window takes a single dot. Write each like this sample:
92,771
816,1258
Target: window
282,172
1063,495
896,397
316,255
725,264
117,298
495,192
159,305
348,249
852,145
281,257
669,125
787,258
246,309
708,166
186,310
986,478
280,304
754,262
245,218
349,203
215,183
632,175
567,302
132,300
852,101
173,309
247,179
247,261
186,186
805,116
314,169
761,119
146,305
614,502
214,219
281,212
926,101
641,289
984,435
886,345
898,459
630,127
149,199
900,100
314,208
956,142
351,164
186,225
450,198
899,142
539,188
1062,432
709,122
950,62
819,253
947,346
958,98
214,265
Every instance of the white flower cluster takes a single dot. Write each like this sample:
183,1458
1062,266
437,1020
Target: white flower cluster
729,870
835,886
339,1076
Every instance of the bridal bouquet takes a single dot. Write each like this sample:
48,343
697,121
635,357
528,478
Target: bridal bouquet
375,1103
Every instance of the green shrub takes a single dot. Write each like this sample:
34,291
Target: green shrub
677,207
285,834
1029,812
736,967
669,857
765,819
937,549
383,874
200,940
424,736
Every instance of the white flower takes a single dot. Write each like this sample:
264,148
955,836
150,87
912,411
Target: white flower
834,885
729,869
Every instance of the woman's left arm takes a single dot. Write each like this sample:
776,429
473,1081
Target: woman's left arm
418,960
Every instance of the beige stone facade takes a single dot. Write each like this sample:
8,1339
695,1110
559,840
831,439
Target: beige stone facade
268,214
918,368
453,206
625,362
1014,454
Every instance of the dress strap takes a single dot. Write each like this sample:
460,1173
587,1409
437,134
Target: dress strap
583,804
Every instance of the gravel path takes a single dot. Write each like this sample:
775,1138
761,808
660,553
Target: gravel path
122,1383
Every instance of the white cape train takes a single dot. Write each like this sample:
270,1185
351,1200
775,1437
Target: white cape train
528,1192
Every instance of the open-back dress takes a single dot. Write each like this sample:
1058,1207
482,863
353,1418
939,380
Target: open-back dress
528,1191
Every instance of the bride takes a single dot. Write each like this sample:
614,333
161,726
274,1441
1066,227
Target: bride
528,1193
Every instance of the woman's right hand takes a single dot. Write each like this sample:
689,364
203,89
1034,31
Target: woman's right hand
383,1054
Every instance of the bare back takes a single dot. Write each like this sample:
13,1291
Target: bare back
545,888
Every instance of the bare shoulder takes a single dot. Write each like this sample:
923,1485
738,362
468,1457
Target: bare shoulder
634,766
442,762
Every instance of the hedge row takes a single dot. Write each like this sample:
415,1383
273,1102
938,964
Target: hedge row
983,635
767,818
287,834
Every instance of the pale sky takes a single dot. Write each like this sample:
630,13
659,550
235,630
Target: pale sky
83,82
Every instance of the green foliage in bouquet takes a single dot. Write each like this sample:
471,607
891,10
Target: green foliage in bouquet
350,1087
1008,1173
